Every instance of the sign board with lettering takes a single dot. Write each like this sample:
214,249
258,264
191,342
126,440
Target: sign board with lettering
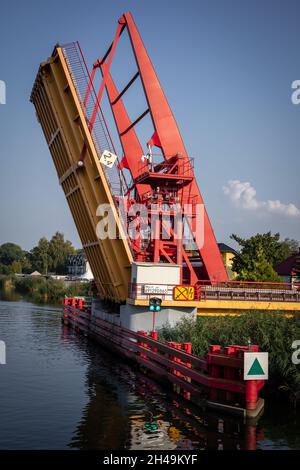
155,289
108,158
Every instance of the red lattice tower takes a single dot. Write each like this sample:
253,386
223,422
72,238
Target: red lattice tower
160,186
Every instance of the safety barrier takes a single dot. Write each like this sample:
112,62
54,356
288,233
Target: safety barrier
81,303
233,290
218,377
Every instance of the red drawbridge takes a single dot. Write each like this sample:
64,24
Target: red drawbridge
157,192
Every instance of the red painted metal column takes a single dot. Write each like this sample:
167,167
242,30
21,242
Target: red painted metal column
154,335
171,143
229,372
251,394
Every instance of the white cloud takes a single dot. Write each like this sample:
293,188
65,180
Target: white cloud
244,196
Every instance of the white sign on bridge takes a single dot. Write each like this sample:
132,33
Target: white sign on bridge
256,366
155,289
108,158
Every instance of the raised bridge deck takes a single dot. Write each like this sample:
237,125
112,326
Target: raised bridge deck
228,298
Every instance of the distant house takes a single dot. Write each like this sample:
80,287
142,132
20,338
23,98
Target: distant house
78,266
286,269
228,255
35,273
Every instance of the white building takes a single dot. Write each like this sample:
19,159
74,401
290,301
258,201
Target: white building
78,266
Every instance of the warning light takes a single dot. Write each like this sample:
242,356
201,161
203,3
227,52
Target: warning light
155,304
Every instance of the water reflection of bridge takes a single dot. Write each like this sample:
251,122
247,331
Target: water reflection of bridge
128,410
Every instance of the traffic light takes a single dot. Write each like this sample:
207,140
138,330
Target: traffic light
154,304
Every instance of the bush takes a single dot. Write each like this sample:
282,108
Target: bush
50,290
272,331
6,281
5,270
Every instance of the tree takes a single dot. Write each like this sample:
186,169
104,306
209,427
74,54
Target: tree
259,270
6,270
59,251
286,248
40,258
26,263
257,257
16,267
10,252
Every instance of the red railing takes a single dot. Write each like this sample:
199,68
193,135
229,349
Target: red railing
178,167
220,373
231,290
251,285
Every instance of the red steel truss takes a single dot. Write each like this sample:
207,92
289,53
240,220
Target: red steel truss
164,186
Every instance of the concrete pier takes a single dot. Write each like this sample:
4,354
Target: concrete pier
137,318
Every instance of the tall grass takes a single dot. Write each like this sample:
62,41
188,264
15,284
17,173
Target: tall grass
272,331
43,290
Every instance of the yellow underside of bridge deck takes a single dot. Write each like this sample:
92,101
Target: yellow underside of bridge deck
226,307
86,187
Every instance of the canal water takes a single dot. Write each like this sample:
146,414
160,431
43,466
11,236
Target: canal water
60,391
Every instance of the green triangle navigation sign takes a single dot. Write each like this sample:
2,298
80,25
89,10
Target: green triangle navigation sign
256,366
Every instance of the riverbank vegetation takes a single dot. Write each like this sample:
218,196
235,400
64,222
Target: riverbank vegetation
273,332
43,290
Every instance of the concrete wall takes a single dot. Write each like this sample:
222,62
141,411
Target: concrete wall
156,279
137,318
99,312
155,273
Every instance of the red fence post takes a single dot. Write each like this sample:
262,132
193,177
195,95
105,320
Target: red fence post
187,347
177,346
229,372
65,310
176,372
154,335
251,386
141,343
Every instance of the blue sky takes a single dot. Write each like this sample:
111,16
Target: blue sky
226,67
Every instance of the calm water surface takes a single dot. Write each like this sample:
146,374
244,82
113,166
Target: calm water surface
59,391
